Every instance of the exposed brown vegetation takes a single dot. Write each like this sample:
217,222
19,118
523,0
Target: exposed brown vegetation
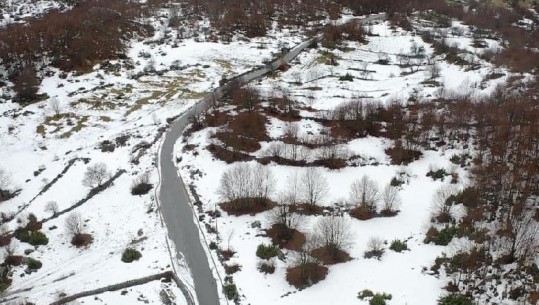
330,256
81,240
74,40
286,238
306,275
247,206
362,213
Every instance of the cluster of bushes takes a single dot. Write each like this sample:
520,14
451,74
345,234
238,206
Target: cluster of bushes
374,298
333,35
30,233
438,174
440,237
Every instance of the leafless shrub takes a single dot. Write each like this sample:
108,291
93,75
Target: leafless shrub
5,183
247,181
52,207
313,186
443,211
364,193
55,106
390,199
95,175
333,233
375,248
74,225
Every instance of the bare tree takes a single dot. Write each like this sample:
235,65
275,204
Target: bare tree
442,209
291,195
155,119
365,73
304,256
263,181
52,207
95,175
291,132
391,199
518,237
5,183
74,224
297,77
275,150
283,216
55,106
313,186
434,70
333,233
245,182
364,193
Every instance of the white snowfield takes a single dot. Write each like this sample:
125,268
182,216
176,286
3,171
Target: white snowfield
406,276
103,105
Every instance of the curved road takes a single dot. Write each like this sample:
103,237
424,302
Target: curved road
175,208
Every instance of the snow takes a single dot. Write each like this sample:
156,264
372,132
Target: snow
404,275
138,105
108,104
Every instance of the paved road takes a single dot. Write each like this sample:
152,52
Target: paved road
178,214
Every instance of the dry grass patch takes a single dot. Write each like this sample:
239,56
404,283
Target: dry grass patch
145,101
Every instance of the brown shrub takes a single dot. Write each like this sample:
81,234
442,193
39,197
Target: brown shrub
282,161
442,216
330,256
534,297
226,254
226,155
238,143
306,209
388,213
232,268
306,275
518,60
250,124
362,213
81,240
13,260
217,119
330,163
247,206
5,240
286,238
402,156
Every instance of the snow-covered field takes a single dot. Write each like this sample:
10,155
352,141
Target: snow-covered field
114,100
105,104
404,275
